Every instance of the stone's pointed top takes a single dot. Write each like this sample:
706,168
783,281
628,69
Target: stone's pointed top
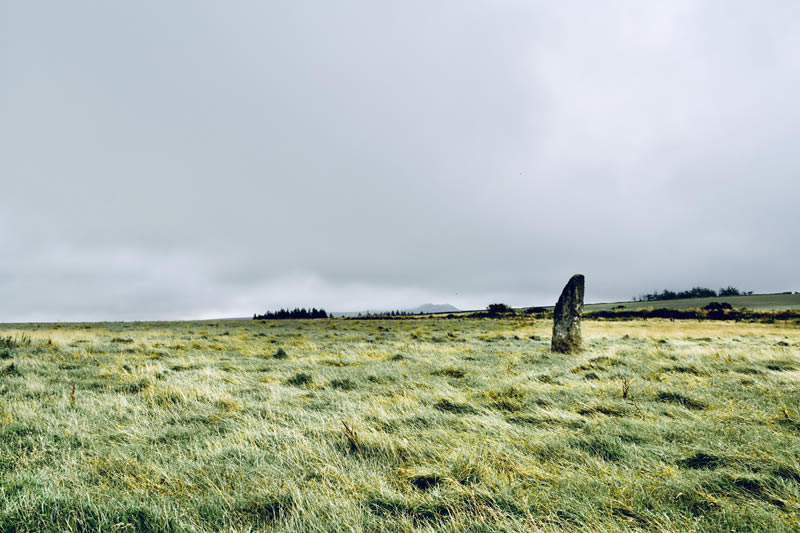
567,317
578,279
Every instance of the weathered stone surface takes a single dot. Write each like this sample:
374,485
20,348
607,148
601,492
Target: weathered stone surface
567,317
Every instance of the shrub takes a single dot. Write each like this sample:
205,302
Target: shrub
499,309
729,291
717,306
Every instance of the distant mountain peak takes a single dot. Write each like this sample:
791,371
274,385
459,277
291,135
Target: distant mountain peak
434,308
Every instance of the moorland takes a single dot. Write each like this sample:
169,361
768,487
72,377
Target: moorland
412,424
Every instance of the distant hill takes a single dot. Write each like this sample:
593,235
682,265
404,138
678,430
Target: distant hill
755,302
433,308
420,309
758,302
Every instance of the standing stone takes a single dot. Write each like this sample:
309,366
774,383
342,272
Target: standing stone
567,317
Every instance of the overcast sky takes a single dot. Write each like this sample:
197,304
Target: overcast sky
197,159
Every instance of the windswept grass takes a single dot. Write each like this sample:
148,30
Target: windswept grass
402,425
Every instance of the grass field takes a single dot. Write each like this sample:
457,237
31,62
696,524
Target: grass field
404,425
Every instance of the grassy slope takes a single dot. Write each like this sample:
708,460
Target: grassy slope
461,425
754,301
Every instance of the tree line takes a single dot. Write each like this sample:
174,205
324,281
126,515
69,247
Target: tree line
695,292
386,314
391,313
294,313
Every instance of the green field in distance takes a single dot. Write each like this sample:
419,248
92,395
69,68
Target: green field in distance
761,302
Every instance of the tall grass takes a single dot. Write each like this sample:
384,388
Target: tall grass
402,425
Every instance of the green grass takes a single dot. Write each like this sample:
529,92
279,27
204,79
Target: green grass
403,425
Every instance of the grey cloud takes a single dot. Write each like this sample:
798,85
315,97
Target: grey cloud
189,159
